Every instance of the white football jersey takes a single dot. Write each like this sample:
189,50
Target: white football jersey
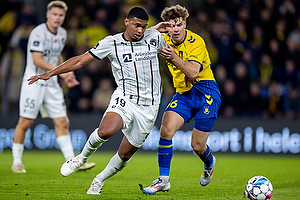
50,44
135,65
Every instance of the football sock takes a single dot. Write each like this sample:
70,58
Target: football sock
91,145
115,165
17,152
207,157
65,144
165,154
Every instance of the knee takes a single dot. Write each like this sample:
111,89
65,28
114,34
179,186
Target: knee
63,123
24,125
125,157
166,132
198,148
105,132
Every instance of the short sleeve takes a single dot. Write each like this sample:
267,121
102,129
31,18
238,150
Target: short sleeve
162,42
35,42
103,48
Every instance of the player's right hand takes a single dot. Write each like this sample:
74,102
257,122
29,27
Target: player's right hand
161,27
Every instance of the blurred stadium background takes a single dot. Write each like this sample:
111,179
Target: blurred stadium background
254,47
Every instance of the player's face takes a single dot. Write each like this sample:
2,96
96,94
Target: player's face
55,17
135,29
177,30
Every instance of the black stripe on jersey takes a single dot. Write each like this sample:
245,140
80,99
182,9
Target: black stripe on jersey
151,77
136,76
116,49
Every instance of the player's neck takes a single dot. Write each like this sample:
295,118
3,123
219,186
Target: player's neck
52,29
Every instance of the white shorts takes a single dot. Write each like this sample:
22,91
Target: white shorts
138,120
49,100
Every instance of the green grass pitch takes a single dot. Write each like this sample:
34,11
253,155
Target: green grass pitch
43,180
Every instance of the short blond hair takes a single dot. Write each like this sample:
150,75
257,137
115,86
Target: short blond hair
174,12
57,4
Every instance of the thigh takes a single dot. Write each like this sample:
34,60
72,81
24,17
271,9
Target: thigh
142,121
54,103
31,99
109,125
204,124
181,104
171,122
138,120
206,112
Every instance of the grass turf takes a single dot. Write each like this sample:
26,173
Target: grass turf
232,171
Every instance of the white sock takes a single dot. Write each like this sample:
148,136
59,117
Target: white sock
115,165
17,152
91,145
65,144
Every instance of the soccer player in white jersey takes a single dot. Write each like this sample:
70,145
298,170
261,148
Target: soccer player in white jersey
134,104
45,45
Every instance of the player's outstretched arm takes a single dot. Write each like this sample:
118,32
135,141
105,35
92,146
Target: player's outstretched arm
70,65
161,27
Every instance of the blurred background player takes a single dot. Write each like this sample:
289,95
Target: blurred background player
45,45
197,95
134,105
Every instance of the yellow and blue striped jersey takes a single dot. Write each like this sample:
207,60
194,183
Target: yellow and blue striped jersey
192,48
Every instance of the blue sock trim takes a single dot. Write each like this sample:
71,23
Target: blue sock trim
207,157
165,142
165,154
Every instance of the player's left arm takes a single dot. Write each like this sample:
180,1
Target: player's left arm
189,68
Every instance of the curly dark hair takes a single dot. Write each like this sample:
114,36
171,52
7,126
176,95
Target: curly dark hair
174,12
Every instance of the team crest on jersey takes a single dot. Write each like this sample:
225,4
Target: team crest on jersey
153,42
36,43
127,57
206,110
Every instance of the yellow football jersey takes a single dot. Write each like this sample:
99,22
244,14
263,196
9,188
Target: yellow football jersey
192,48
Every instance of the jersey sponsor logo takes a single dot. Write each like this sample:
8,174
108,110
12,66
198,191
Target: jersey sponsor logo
36,43
127,57
149,55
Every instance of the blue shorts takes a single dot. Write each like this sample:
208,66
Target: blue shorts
202,102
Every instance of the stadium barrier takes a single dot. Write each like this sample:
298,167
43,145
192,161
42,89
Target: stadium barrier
239,135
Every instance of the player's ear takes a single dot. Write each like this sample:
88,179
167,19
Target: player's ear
126,21
47,14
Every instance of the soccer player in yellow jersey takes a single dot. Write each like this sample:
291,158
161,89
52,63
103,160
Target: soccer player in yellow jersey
197,95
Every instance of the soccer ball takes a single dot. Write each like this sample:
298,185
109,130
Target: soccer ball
258,187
